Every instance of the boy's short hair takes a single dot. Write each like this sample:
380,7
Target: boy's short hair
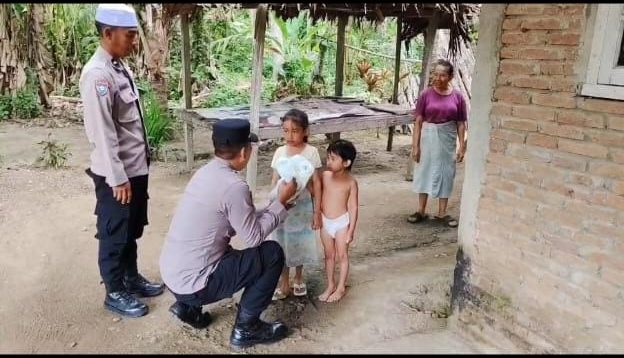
344,149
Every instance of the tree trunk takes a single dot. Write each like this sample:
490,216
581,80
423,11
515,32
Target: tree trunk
155,40
38,54
278,58
12,66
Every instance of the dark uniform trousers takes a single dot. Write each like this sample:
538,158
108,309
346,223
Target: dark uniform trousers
256,269
118,227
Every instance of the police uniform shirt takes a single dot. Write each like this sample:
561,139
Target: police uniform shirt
112,120
216,205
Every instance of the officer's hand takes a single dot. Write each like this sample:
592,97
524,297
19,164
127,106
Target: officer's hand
287,191
123,193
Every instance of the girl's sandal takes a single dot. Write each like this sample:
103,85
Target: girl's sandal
278,295
447,220
300,289
416,217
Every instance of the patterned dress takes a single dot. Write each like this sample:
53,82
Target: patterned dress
295,235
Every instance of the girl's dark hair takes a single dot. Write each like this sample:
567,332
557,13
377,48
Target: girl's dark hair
299,117
447,64
344,149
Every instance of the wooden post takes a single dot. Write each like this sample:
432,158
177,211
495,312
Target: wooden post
256,88
397,73
430,35
340,60
186,89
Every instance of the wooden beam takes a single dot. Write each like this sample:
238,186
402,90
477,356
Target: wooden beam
430,35
340,59
340,55
186,89
256,88
397,71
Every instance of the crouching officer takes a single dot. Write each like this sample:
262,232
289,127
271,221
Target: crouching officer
197,262
119,159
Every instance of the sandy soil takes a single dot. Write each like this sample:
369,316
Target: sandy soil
51,298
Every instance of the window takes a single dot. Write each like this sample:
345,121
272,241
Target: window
605,70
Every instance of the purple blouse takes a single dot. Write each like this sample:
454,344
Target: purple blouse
436,108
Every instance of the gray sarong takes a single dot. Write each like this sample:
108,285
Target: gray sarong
435,173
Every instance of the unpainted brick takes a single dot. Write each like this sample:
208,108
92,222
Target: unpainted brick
525,9
570,161
536,82
525,38
501,109
551,67
616,155
515,67
533,112
563,131
574,9
511,24
583,148
541,53
602,105
616,123
564,38
519,124
562,100
509,135
608,138
512,95
542,140
617,187
606,169
544,23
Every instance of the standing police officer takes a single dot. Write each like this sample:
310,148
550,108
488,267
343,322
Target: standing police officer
119,159
197,262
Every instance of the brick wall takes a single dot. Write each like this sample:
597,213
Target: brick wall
550,227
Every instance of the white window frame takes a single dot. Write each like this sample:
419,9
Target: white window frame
604,79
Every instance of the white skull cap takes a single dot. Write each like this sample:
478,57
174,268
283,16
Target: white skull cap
116,15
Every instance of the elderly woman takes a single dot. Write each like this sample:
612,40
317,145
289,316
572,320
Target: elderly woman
440,118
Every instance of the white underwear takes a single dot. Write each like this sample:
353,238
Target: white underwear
332,226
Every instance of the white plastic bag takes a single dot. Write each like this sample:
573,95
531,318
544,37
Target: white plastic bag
296,167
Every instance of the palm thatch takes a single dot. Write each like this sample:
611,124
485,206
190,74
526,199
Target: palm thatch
457,17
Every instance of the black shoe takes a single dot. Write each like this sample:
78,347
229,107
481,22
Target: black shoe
139,285
246,335
191,315
125,304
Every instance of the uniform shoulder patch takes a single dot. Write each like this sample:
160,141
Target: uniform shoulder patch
102,87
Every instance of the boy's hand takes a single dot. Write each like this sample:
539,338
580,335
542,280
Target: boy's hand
317,223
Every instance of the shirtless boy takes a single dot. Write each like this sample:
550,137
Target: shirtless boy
339,208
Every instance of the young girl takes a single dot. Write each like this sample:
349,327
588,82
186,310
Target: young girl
296,235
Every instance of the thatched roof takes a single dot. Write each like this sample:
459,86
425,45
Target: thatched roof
456,17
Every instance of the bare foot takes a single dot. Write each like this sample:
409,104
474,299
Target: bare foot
337,295
325,295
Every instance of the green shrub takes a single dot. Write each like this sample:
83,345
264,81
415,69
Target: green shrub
159,124
26,104
54,155
6,107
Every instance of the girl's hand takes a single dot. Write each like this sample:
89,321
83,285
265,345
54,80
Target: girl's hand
350,238
317,223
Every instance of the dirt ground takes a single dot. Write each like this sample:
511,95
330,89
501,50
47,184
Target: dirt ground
51,300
